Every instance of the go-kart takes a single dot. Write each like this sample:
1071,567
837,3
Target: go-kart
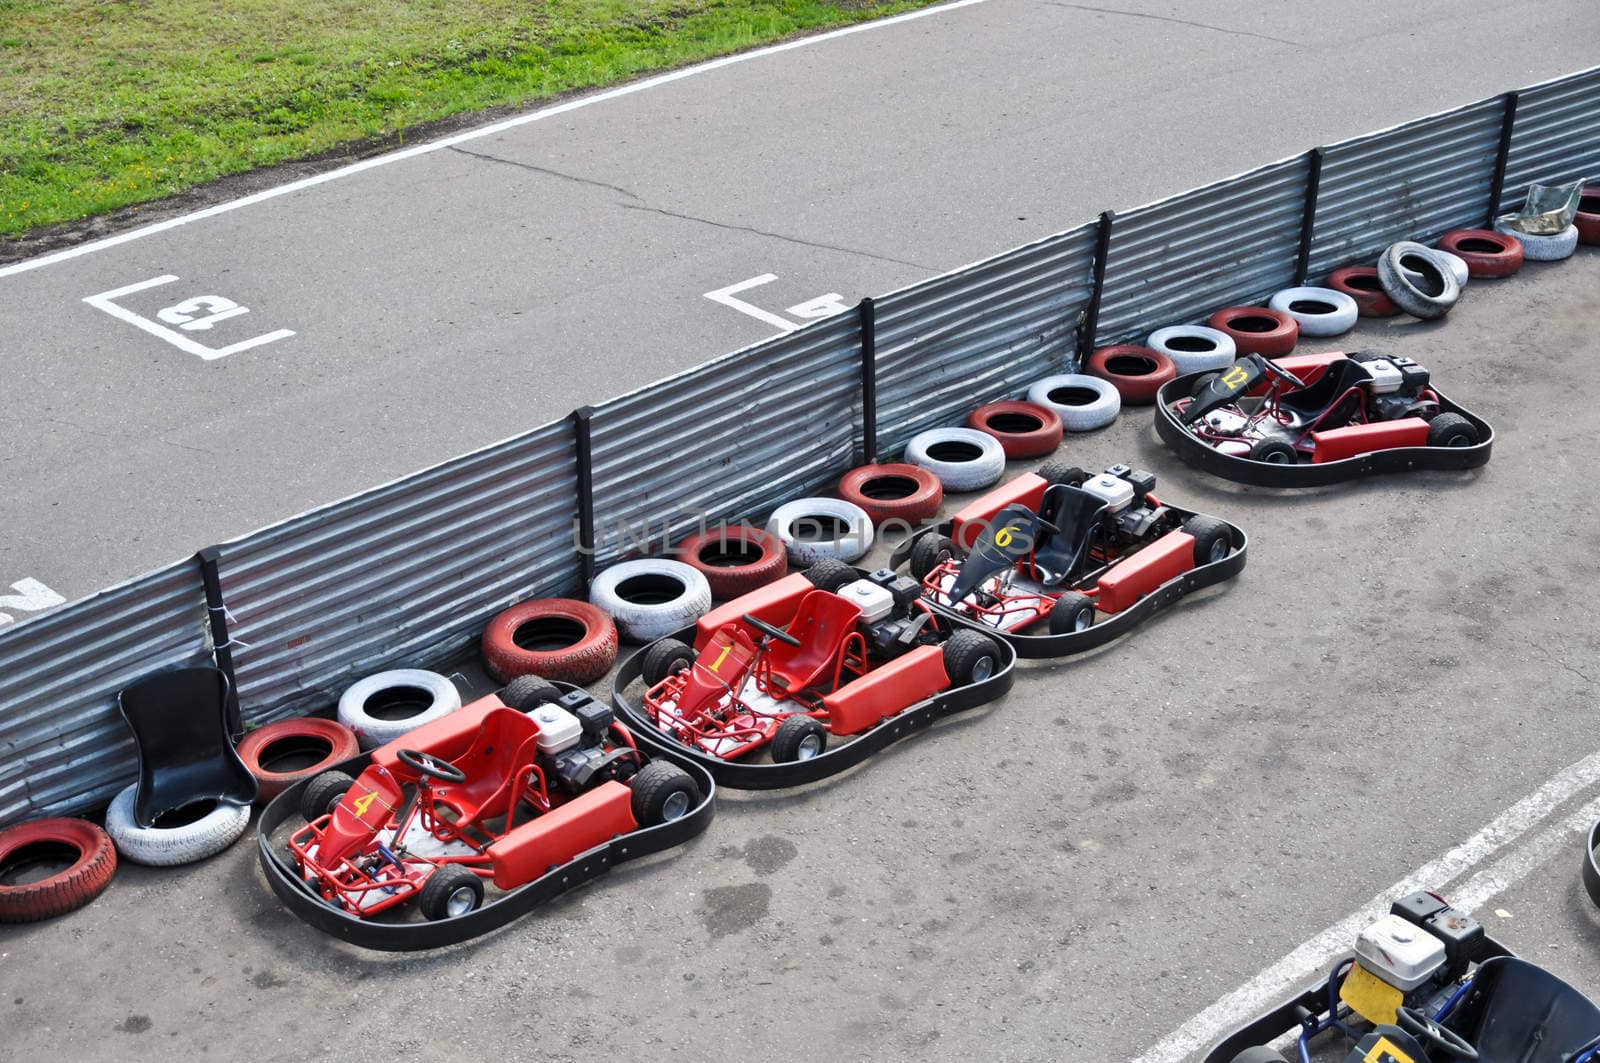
827,653
502,791
1427,985
1083,557
1313,419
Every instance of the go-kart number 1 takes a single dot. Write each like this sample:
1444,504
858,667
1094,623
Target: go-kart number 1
716,665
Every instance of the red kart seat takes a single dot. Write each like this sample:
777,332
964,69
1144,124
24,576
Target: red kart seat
448,737
494,766
821,624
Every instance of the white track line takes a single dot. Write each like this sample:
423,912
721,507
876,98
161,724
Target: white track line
473,134
1288,974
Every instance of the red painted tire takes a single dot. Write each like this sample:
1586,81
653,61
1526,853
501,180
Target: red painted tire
1258,329
735,559
66,890
1588,219
1486,252
553,638
895,492
265,745
1361,284
1136,372
1024,429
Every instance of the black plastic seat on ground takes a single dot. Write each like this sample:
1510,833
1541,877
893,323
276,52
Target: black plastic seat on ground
1075,514
1517,1012
179,724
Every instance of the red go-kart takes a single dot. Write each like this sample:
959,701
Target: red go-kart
1320,408
1062,547
489,792
820,653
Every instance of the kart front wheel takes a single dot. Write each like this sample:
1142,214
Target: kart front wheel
322,793
1073,612
662,792
970,657
450,891
665,658
798,738
929,553
1452,430
1212,542
1258,1055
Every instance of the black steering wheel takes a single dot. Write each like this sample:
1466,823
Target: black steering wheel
429,766
1432,1035
767,629
1283,374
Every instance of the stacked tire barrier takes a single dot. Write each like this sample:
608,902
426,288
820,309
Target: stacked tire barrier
411,571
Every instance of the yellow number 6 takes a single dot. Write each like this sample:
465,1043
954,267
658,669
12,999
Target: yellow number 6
1003,537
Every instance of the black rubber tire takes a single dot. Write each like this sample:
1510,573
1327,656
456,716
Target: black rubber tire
1274,452
794,731
1201,383
1208,532
1258,1055
1452,430
1068,608
322,793
964,654
928,553
526,693
1408,294
653,788
441,884
1059,472
664,658
830,574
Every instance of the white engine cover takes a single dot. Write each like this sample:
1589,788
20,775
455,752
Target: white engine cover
1113,490
1386,376
875,602
559,730
1401,953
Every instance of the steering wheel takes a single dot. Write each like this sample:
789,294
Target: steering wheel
429,766
1432,1035
1283,374
767,629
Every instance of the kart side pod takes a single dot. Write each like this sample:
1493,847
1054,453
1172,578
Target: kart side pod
886,690
1339,443
1167,558
586,821
1026,490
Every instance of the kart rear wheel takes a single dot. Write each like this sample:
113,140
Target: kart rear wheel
929,553
662,792
798,738
1258,1055
1212,541
322,793
528,692
830,574
1059,472
1274,452
970,657
1073,612
450,891
1452,430
665,658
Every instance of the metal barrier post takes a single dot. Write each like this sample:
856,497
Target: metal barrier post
1308,216
1497,183
869,381
583,441
221,644
1090,321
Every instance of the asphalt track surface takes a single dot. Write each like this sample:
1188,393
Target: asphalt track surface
1109,864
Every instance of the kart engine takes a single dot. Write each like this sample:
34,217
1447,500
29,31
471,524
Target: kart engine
572,744
1396,382
889,624
1418,951
1126,491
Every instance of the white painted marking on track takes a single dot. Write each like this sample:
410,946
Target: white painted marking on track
1312,957
183,315
474,134
725,296
31,597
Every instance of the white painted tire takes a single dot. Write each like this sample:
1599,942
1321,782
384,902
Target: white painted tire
958,476
1100,411
372,732
1397,283
1334,323
171,846
1194,348
1457,264
646,621
1542,248
856,541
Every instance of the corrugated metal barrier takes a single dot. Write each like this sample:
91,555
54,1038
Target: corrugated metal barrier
408,573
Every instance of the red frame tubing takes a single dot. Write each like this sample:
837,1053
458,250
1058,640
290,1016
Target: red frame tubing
1336,444
584,661
1032,443
1370,302
730,581
342,745
914,508
1588,219
66,890
1502,263
1027,489
1136,389
1278,340
886,690
1145,571
593,817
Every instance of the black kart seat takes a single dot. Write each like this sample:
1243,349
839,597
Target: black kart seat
179,724
1075,514
1518,1012
1310,401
